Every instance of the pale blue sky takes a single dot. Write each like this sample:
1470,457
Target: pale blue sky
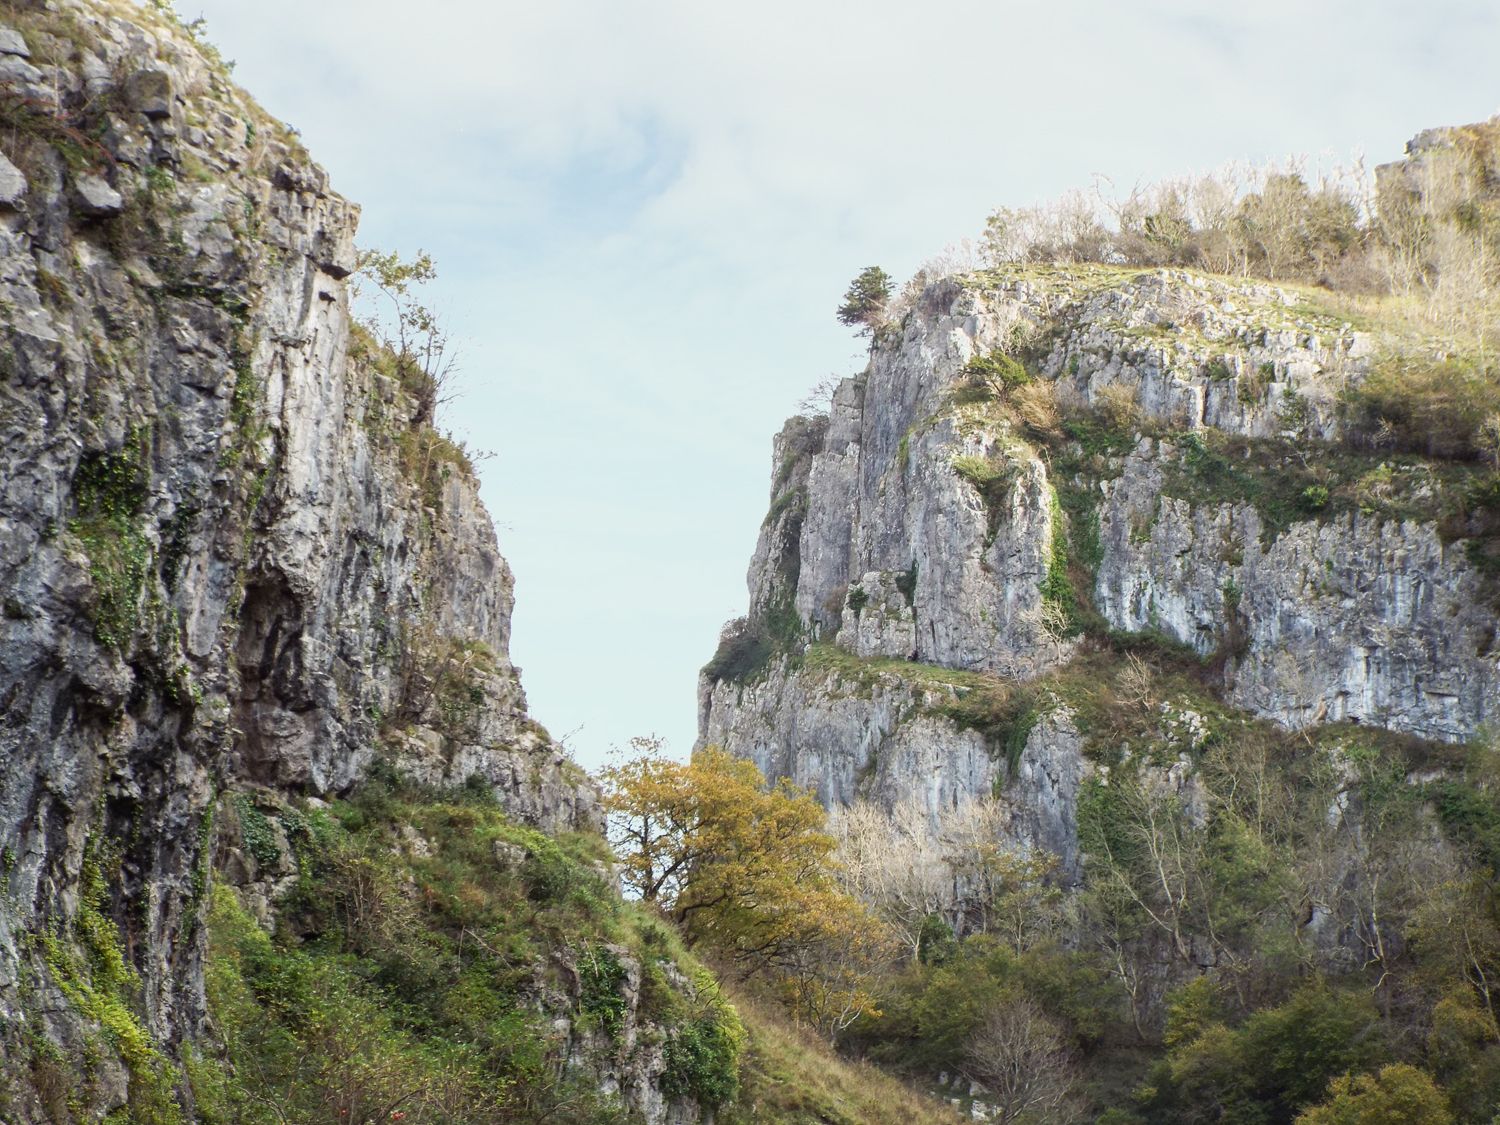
644,213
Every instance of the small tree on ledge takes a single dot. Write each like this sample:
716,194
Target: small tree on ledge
864,303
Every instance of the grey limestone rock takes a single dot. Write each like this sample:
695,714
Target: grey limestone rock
149,92
15,70
884,544
12,43
218,570
12,183
95,198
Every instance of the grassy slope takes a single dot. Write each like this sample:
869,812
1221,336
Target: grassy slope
791,1076
410,960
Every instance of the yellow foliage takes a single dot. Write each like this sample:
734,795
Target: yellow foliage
1398,1093
747,868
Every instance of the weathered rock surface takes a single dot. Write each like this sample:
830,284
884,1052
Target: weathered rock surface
926,520
12,183
221,563
1354,618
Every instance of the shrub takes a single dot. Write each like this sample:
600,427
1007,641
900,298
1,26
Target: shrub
1438,407
744,652
1035,407
1313,498
749,644
256,832
703,1057
601,982
996,373
1397,1093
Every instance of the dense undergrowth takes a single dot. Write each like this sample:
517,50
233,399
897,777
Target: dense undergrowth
418,961
423,956
1295,907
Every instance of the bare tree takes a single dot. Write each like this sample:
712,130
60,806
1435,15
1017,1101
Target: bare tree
818,400
407,328
1018,1054
896,862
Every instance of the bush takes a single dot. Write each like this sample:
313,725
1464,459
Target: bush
1397,1093
703,1057
1280,1061
1437,407
1313,498
749,644
995,374
744,652
601,981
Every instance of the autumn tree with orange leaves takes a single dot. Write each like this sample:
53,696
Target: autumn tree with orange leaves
745,868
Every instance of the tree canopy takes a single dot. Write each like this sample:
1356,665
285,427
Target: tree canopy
745,868
866,299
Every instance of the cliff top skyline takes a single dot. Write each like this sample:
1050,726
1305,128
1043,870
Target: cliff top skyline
643,221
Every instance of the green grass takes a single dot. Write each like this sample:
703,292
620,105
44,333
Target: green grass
791,1077
408,972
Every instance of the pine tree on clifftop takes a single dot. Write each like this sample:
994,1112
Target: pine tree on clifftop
864,303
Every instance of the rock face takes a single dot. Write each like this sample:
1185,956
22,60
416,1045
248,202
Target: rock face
1036,455
231,555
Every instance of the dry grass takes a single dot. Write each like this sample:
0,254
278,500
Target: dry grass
789,1077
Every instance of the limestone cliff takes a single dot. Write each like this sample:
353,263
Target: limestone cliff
1042,459
234,555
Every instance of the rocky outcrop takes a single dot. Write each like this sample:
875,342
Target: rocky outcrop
1035,455
888,735
1357,617
232,553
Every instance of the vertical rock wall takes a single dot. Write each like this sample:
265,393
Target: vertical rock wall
230,553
